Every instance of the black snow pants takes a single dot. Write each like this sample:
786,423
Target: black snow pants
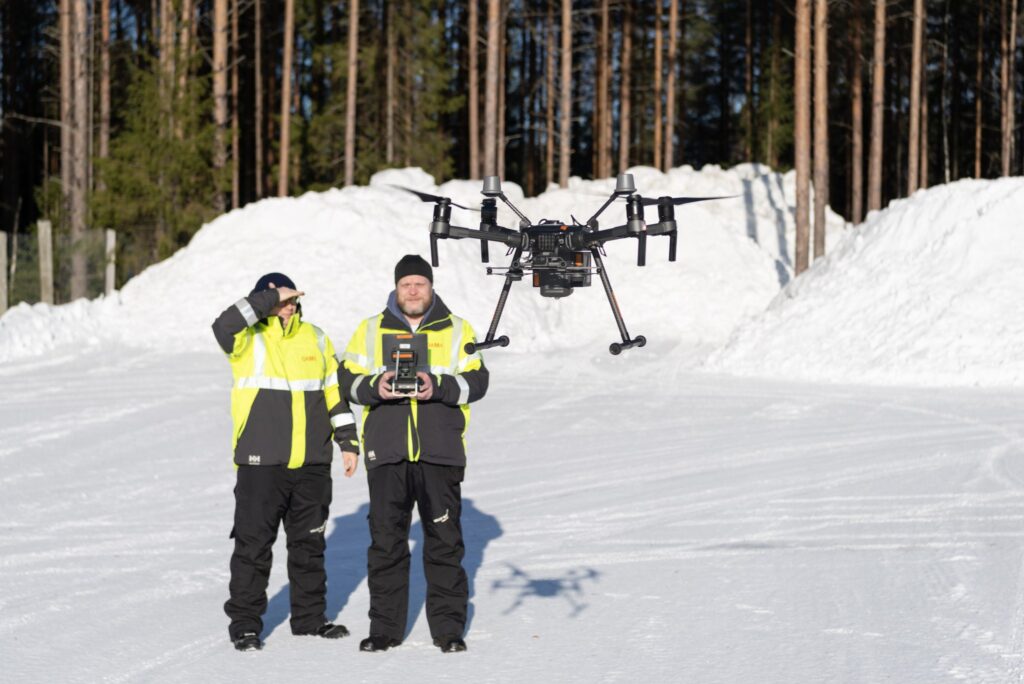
264,496
436,490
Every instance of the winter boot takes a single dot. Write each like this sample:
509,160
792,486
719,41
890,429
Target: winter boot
377,642
248,641
330,631
450,644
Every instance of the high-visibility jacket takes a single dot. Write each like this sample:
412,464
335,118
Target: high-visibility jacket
285,402
433,431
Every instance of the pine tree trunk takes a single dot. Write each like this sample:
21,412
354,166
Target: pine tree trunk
410,103
773,89
502,94
877,111
490,141
821,160
802,134
944,99
392,94
606,113
188,31
167,80
1008,73
295,159
286,97
923,169
748,90
81,102
104,133
67,120
1004,81
596,130
565,109
658,121
474,89
857,117
625,86
680,128
607,117
220,92
914,149
350,95
236,168
668,158
258,96
549,95
977,88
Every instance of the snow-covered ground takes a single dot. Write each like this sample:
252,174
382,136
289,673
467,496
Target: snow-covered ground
621,526
666,515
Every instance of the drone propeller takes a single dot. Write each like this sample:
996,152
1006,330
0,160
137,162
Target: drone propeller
679,201
426,197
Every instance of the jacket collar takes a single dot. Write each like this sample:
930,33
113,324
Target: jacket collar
272,324
437,317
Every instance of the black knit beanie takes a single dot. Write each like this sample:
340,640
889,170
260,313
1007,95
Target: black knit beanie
413,264
278,279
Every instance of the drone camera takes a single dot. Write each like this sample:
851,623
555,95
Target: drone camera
557,275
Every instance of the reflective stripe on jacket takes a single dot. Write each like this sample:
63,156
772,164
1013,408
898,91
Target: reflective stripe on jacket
433,431
285,403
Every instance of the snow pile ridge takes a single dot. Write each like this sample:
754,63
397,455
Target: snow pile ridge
924,292
340,246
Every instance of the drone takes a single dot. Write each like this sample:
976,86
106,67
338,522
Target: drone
559,256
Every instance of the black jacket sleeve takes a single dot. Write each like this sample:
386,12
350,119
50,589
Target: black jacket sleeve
245,313
365,393
451,392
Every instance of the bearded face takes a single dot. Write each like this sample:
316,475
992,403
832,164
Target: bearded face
414,294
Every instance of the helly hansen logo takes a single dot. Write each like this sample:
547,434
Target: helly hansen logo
254,459
319,530
443,518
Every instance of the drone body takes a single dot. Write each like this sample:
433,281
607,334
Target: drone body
559,256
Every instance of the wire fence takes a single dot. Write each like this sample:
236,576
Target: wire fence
24,281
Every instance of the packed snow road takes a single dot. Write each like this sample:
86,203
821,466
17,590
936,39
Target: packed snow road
622,524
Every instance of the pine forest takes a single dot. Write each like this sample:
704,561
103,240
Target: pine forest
150,117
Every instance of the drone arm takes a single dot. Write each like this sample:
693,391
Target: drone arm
604,206
495,234
600,237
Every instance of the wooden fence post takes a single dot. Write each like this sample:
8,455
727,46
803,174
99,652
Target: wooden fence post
45,262
111,261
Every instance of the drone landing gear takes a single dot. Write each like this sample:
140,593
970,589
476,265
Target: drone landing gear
615,347
514,273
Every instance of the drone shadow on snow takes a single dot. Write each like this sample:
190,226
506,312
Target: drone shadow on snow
568,586
345,560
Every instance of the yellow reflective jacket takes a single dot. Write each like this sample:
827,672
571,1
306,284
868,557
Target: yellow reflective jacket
285,403
432,431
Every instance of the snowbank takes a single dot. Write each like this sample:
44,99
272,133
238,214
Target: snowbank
925,292
340,246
